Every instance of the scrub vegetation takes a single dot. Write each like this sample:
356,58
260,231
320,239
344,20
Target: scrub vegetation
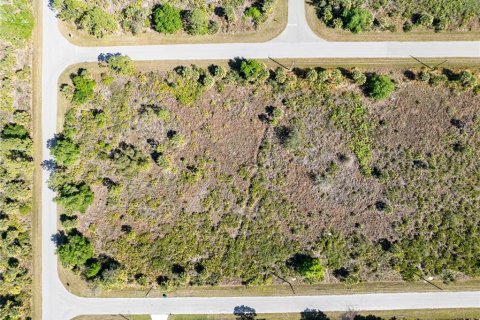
16,160
399,15
246,175
100,18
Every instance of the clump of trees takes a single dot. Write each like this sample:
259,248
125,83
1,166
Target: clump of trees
359,16
16,160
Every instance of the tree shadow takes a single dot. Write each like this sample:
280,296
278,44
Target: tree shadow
313,314
104,57
244,313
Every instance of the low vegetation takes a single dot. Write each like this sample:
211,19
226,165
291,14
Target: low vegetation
16,160
399,15
166,17
246,175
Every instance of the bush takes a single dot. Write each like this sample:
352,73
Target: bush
310,268
358,20
467,79
84,88
293,137
13,130
97,22
167,19
75,252
380,87
65,152
133,18
197,22
92,269
358,77
121,64
74,197
254,13
251,69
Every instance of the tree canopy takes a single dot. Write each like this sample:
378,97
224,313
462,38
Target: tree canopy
75,252
380,87
167,19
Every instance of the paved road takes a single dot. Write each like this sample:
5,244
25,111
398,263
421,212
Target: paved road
297,41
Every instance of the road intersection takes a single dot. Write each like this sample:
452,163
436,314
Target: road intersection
297,41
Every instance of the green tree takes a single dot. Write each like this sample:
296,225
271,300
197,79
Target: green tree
254,13
133,18
97,22
251,69
74,197
65,152
93,268
167,19
13,130
121,64
380,87
358,20
84,88
75,252
197,22
310,268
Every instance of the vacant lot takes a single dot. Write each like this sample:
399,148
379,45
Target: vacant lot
166,21
16,160
413,18
245,175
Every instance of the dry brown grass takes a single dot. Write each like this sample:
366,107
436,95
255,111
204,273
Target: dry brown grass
440,314
331,34
37,176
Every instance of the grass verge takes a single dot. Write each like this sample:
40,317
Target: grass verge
331,34
265,32
440,314
37,175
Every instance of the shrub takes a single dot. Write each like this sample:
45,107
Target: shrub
425,19
312,75
293,137
310,268
121,64
74,197
280,75
13,130
133,18
84,88
358,77
75,252
166,19
197,22
467,79
358,20
65,152
92,269
251,69
97,22
254,13
380,87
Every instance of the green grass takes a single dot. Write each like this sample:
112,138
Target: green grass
16,22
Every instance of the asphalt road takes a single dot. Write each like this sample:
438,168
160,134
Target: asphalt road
297,41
